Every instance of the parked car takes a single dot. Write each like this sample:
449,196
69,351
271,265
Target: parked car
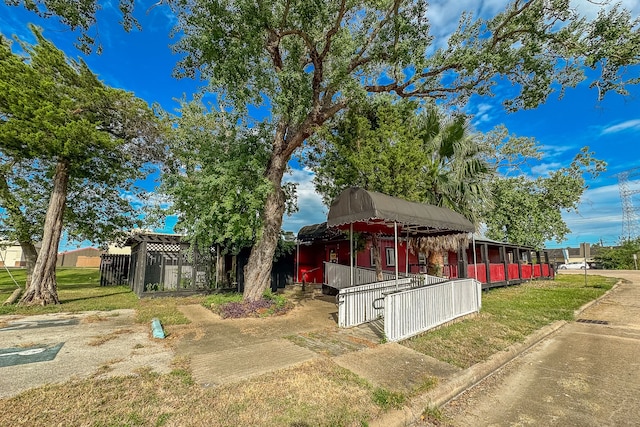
579,265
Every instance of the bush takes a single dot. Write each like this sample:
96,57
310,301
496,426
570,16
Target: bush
270,305
619,257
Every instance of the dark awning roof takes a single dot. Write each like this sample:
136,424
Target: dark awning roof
309,233
370,211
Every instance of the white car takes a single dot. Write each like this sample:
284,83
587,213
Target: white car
580,265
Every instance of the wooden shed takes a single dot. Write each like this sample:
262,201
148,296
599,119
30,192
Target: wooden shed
165,264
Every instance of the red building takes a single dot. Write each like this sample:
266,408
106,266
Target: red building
494,263
357,214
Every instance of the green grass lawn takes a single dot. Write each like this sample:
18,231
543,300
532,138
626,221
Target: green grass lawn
508,316
79,290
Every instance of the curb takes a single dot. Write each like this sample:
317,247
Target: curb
579,311
471,376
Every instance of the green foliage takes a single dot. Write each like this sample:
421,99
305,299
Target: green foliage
529,211
279,300
286,246
619,257
355,46
215,180
56,110
79,15
230,305
432,415
391,147
217,299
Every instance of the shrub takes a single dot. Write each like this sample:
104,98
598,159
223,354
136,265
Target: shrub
270,305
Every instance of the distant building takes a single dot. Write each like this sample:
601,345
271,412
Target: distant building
557,256
11,255
83,257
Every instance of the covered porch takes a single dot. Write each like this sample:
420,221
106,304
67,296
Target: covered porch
408,303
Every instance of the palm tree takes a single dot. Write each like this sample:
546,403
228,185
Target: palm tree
455,175
393,148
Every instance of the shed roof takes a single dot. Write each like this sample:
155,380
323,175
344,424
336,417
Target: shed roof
310,233
376,212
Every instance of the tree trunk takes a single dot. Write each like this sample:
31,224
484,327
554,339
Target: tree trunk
377,257
30,256
43,288
257,276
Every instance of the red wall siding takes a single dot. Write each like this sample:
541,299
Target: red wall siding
496,272
311,258
513,271
536,270
482,272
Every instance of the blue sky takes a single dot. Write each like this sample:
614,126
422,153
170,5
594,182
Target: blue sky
142,62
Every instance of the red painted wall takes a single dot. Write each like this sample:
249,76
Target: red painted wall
311,258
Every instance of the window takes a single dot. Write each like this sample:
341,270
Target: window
422,259
391,257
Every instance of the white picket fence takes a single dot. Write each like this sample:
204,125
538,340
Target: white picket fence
411,311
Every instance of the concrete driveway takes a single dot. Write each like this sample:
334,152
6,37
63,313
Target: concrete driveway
53,348
586,374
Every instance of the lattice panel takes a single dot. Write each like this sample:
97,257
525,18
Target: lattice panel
163,247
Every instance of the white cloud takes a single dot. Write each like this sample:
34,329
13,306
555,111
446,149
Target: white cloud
590,9
599,217
311,209
621,127
482,113
551,150
545,168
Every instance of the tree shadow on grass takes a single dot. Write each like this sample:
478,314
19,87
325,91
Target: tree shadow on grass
90,297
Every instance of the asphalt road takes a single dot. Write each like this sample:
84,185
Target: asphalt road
586,374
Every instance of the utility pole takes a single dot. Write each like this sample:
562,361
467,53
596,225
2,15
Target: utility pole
629,186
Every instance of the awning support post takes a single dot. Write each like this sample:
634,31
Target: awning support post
351,253
475,261
407,253
395,236
297,261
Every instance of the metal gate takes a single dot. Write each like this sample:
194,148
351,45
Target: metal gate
114,270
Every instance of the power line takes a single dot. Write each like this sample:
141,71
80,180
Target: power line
629,186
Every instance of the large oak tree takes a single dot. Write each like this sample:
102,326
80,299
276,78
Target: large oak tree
70,146
306,60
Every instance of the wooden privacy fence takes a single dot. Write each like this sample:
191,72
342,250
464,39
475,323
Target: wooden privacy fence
114,269
411,311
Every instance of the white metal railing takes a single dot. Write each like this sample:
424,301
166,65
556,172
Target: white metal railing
338,276
364,303
411,311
